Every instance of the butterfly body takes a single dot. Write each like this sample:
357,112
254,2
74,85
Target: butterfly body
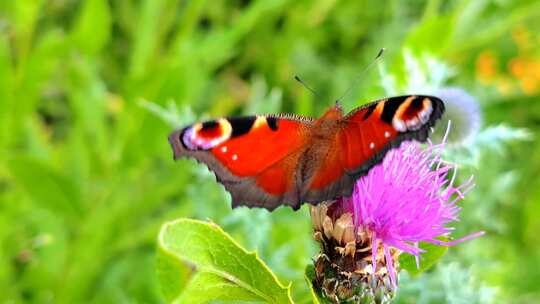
272,160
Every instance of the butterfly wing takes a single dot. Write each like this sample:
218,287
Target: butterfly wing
363,138
254,157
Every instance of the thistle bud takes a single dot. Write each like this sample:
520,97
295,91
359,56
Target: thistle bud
343,269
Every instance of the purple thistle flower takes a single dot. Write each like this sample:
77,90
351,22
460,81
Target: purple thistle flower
408,198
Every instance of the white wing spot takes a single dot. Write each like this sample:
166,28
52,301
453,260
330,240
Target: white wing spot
234,157
224,149
386,134
372,145
399,125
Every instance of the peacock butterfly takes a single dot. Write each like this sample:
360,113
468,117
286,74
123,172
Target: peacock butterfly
272,160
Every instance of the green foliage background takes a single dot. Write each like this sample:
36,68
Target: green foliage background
89,90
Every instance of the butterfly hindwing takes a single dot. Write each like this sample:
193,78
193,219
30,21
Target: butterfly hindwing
254,157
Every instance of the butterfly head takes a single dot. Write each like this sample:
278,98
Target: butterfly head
333,113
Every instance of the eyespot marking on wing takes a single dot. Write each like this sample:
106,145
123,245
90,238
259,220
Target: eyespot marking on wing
204,136
412,114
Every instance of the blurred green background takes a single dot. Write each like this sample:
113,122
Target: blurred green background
89,91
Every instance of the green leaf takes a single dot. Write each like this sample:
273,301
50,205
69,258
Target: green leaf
223,270
427,259
173,274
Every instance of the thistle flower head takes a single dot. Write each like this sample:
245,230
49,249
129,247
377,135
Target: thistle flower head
410,197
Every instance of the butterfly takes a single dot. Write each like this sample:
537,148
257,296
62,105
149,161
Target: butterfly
284,159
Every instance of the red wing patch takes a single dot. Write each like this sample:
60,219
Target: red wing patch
253,152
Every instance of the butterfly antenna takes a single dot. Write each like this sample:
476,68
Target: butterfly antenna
305,85
355,82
